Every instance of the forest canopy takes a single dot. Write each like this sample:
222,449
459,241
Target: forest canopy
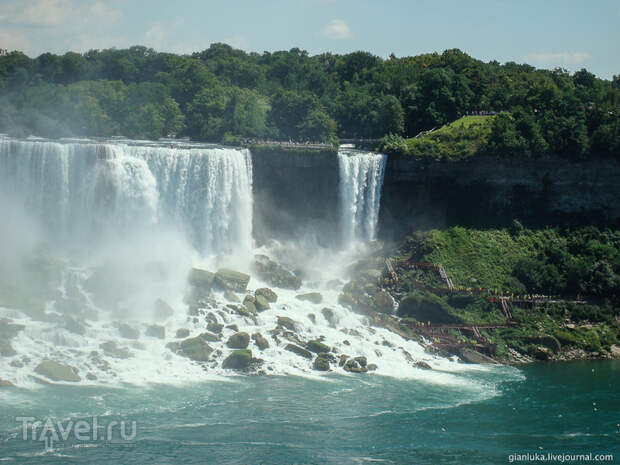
222,93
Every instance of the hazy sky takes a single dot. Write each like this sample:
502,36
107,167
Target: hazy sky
545,33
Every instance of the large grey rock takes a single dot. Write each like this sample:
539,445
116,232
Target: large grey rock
156,331
472,356
182,333
56,371
267,293
274,273
238,341
194,348
330,316
261,303
317,347
5,383
127,332
201,279
299,351
111,349
261,342
232,280
314,297
287,323
238,360
320,364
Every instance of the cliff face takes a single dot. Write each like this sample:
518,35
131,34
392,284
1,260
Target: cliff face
295,195
492,191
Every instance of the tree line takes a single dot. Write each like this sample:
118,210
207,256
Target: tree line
221,93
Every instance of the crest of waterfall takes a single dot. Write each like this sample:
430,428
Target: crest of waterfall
361,180
78,189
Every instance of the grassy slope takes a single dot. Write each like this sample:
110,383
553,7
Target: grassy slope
458,140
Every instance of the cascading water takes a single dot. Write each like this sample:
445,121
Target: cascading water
140,216
361,180
79,189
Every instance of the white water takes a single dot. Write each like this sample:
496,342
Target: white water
145,214
361,180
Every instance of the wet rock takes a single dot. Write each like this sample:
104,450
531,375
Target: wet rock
91,376
238,360
299,351
343,358
194,348
5,383
542,353
378,353
73,326
329,356
231,296
201,279
215,327
321,364
234,327
162,310
232,280
261,303
156,331
346,342
353,366
16,364
383,302
267,293
472,356
423,365
317,347
330,316
111,349
372,367
314,297
238,341
56,371
211,318
287,323
312,318
209,337
275,274
361,361
127,332
243,310
182,333
261,342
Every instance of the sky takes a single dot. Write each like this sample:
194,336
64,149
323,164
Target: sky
567,34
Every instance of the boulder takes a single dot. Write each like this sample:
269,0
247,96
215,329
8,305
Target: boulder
238,360
261,303
299,351
274,273
238,341
91,376
314,297
231,296
127,332
232,280
209,337
250,308
215,327
194,348
182,333
17,364
343,358
317,347
162,310
472,356
261,342
111,349
267,293
320,364
312,318
201,279
56,371
329,315
234,327
361,361
287,323
353,366
423,365
156,331
372,367
5,383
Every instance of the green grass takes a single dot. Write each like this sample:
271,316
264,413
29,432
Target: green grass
458,140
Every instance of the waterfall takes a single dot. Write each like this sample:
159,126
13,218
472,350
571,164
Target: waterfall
76,190
361,180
